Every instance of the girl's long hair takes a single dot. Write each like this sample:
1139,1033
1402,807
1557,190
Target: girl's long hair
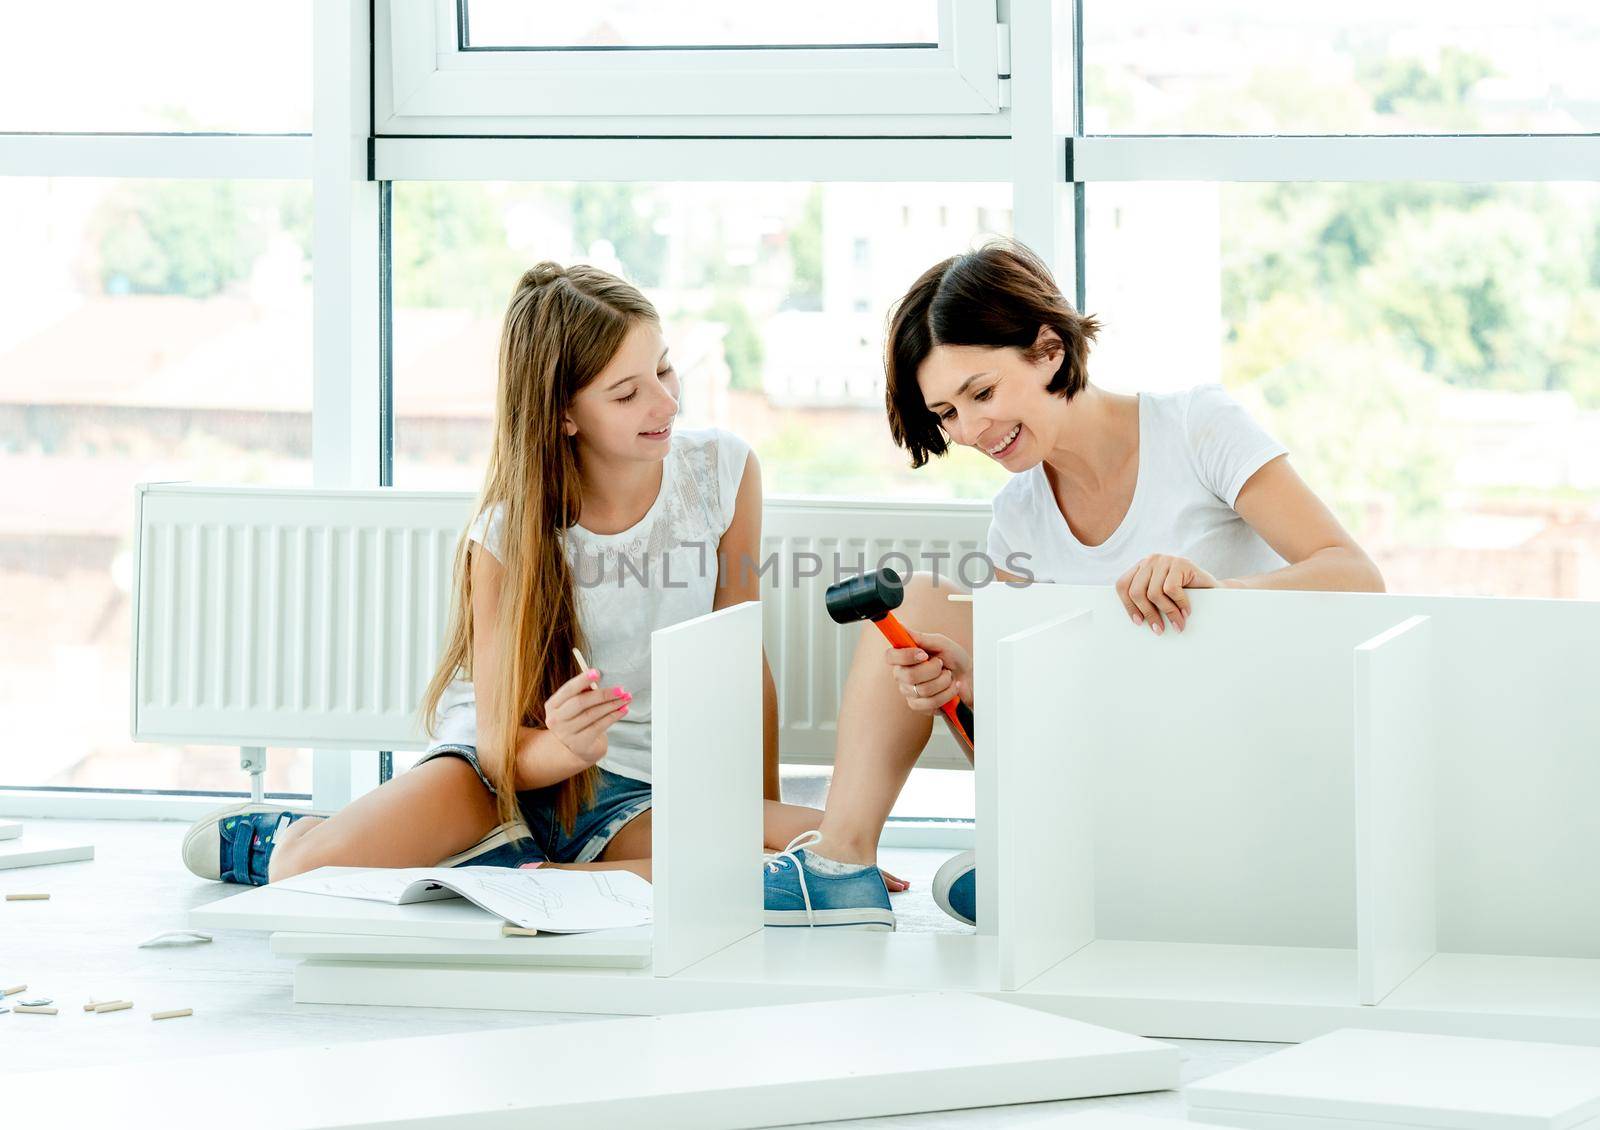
563,326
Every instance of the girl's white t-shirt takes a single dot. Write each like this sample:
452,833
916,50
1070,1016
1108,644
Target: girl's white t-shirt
1197,449
659,572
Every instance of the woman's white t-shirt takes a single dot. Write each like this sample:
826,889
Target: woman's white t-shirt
1197,449
659,572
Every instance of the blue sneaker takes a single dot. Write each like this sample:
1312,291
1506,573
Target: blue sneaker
798,894
233,844
955,888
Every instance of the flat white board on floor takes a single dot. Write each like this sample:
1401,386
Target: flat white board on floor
274,908
10,829
1107,1120
703,1070
35,850
1355,1076
627,949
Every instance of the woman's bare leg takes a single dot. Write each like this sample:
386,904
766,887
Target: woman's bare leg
426,814
880,737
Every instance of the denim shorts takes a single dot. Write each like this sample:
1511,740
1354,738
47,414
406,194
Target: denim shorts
617,800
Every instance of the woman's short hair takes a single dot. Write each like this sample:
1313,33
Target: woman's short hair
1000,295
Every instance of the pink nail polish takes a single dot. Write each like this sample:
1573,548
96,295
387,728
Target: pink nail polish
621,710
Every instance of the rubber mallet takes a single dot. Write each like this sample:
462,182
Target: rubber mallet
875,596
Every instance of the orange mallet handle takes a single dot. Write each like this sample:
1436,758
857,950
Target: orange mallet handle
895,632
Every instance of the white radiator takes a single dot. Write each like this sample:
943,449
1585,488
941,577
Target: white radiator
304,617
289,617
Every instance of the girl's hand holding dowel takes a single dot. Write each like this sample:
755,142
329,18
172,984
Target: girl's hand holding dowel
581,712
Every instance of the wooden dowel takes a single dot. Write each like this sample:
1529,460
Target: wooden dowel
32,896
40,1009
172,1014
112,1006
13,992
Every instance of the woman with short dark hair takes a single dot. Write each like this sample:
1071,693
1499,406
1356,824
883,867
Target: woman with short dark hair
1156,493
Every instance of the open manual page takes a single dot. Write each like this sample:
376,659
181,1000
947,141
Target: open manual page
553,902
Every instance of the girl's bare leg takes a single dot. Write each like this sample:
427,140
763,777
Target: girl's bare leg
629,849
880,737
424,815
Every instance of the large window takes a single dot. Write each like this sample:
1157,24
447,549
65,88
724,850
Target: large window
643,24
1378,224
1364,66
1429,354
175,66
774,298
149,330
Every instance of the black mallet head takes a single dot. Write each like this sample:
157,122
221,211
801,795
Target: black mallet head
871,596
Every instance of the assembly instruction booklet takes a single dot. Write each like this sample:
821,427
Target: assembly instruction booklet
549,901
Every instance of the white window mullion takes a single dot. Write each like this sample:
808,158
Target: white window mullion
167,156
950,160
344,415
1483,158
1038,150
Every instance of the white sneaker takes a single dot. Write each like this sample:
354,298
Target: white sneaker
204,843
955,888
511,840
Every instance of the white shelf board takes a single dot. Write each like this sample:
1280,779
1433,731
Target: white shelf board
741,1068
10,829
628,948
1158,989
1547,987
36,851
1380,1078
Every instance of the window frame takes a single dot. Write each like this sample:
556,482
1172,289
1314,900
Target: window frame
426,83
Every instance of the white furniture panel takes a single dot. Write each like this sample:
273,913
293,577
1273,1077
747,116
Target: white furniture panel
34,850
698,1071
1367,1078
1046,835
1224,794
1396,917
628,948
706,782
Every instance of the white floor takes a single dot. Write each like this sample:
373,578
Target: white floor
82,945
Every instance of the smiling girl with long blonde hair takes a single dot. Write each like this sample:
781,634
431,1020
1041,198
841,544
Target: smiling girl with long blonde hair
593,499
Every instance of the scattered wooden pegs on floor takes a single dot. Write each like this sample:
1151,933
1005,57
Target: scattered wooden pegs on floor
42,1010
112,1006
13,991
28,896
172,1014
